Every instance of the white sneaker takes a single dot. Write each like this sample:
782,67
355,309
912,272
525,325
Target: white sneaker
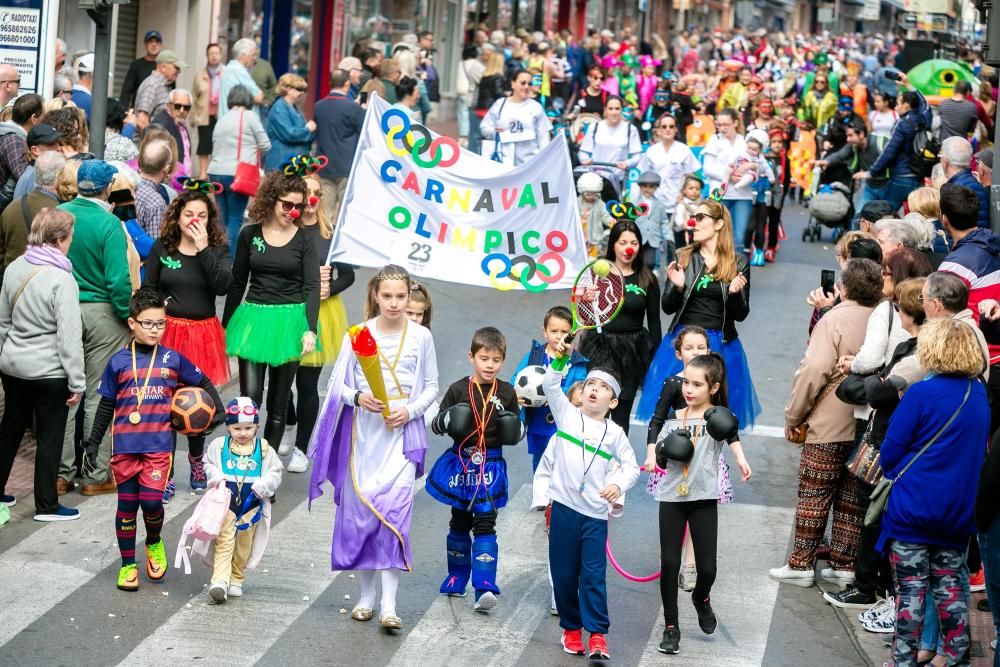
877,609
842,577
299,462
786,575
218,592
884,623
687,578
287,444
235,591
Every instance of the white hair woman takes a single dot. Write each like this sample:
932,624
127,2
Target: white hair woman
41,356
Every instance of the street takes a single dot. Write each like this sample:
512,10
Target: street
59,604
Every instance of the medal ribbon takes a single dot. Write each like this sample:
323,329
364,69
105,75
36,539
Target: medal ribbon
141,393
482,416
694,442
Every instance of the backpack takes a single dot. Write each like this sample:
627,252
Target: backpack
204,525
926,150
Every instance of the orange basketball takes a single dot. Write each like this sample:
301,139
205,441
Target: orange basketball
191,410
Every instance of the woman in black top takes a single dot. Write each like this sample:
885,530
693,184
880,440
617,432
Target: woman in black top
277,322
709,287
334,278
624,345
189,266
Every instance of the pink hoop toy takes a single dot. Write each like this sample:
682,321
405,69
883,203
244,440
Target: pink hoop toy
622,571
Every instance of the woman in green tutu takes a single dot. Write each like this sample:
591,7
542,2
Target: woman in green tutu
276,323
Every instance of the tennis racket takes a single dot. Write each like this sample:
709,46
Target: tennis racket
597,296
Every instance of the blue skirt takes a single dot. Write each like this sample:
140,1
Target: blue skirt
742,395
461,484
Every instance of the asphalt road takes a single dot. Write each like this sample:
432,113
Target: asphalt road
59,604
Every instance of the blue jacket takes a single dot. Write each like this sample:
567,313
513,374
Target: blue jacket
935,501
966,179
897,153
338,128
286,127
539,421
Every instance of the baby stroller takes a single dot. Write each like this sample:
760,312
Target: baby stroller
613,177
832,207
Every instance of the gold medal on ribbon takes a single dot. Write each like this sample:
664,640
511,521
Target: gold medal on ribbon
134,418
682,489
140,392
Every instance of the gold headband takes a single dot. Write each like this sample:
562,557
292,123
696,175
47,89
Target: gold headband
393,276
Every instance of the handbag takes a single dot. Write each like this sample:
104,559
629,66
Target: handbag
864,463
800,432
247,177
880,496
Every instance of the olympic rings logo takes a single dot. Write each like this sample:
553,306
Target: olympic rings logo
416,147
523,269
626,209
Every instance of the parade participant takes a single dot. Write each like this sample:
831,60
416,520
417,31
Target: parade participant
936,438
250,469
591,99
582,494
624,344
655,224
515,128
611,140
419,308
688,494
594,216
719,155
687,206
757,177
777,159
479,413
276,323
373,457
539,422
334,278
829,438
707,286
135,394
189,266
819,103
669,158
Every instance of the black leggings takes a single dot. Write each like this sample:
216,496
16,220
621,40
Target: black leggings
279,387
480,523
755,230
702,517
773,220
620,415
307,384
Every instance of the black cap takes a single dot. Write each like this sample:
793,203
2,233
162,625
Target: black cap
875,210
152,34
43,135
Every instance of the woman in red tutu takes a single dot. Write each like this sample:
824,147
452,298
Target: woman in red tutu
189,265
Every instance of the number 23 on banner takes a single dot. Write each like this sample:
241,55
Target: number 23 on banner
411,254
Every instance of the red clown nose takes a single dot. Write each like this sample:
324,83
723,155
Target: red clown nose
629,252
313,200
691,223
294,214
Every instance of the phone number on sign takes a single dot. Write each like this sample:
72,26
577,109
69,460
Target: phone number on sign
29,40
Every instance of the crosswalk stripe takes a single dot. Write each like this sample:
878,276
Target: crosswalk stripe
442,636
297,572
751,538
49,565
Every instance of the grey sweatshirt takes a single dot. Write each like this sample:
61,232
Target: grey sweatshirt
43,336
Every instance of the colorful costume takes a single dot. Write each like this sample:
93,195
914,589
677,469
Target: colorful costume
471,478
373,468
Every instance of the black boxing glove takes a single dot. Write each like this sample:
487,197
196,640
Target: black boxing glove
510,430
676,446
456,422
721,423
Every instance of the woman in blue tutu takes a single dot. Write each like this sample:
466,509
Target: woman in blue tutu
709,287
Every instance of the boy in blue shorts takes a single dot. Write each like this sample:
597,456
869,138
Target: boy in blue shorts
538,421
135,394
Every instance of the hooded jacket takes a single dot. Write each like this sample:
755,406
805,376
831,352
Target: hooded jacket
897,153
976,260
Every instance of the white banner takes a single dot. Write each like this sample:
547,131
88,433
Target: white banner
414,198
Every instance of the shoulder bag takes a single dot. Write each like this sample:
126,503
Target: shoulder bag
800,432
247,177
880,496
864,463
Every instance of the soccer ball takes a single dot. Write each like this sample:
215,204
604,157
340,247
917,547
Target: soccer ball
528,386
191,410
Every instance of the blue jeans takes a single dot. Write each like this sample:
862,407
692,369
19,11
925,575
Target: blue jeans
231,208
989,549
899,188
740,210
475,139
871,193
